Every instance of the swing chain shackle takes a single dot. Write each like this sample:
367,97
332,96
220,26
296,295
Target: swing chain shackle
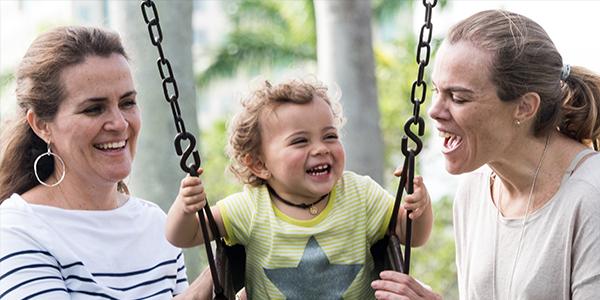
406,180
171,92
418,97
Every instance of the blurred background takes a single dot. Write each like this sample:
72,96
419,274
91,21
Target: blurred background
363,50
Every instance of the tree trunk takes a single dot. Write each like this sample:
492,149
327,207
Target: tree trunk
345,57
156,174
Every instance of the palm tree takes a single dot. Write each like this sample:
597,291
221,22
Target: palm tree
345,56
156,173
264,33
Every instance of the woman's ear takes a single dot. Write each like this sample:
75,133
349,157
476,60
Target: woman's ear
528,106
257,167
39,126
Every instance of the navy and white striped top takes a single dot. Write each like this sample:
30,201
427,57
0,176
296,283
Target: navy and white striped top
52,253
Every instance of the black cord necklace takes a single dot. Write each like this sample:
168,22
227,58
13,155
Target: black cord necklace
312,209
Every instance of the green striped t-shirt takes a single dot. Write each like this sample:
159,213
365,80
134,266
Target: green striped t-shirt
326,257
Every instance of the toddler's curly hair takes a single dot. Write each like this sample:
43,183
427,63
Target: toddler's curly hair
244,130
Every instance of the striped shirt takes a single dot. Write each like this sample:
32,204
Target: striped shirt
304,259
52,253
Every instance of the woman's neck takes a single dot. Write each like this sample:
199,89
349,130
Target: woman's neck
517,172
76,196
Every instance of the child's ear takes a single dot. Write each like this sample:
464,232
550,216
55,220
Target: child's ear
39,126
257,167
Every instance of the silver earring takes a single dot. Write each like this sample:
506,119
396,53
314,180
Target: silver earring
35,171
518,122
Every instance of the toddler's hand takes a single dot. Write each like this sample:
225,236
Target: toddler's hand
419,201
191,195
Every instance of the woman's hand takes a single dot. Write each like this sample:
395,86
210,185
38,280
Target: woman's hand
395,285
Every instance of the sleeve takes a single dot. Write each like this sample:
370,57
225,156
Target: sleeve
237,213
181,281
379,204
27,270
585,276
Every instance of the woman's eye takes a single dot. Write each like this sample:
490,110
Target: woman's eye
128,103
93,110
458,100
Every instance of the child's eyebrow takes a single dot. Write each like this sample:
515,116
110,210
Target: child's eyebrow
328,128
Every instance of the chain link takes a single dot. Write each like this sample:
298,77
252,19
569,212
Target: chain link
171,91
418,92
408,172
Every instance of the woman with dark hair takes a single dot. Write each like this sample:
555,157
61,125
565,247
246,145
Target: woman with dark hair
68,226
520,122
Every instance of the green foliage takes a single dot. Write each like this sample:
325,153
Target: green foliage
395,71
384,10
6,78
433,264
218,182
265,34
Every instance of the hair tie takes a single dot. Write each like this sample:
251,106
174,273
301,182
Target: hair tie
565,72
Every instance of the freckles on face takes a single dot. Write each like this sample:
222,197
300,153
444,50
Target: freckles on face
471,119
96,127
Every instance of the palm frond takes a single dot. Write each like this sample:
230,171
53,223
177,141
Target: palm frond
252,50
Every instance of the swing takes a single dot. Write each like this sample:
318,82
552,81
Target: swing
228,266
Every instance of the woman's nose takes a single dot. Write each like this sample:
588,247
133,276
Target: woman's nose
437,110
116,121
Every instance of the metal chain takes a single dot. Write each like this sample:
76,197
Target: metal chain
171,93
423,55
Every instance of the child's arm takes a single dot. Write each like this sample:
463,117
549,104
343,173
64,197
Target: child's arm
422,215
182,227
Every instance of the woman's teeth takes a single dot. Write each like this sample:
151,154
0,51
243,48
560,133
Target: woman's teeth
111,146
451,141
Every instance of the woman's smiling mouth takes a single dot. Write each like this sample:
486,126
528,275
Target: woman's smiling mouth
451,141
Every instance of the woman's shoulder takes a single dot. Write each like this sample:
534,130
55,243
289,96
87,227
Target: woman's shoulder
587,169
584,182
15,208
20,226
143,203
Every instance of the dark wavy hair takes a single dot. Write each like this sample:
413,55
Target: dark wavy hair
40,90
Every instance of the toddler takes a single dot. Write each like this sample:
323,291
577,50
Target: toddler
307,224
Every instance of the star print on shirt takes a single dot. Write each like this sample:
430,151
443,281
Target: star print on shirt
314,277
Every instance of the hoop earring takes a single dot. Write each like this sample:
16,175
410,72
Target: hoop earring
35,171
